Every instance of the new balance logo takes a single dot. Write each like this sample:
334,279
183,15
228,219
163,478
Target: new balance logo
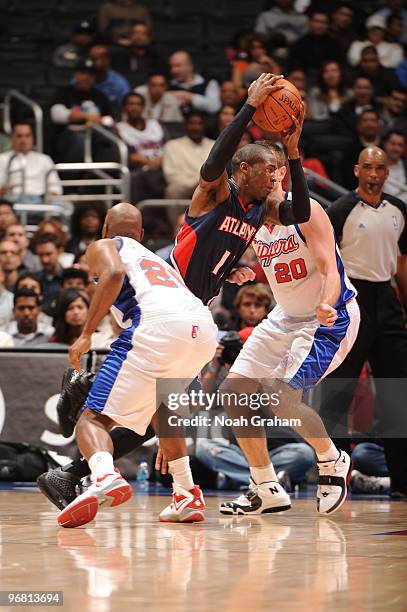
273,490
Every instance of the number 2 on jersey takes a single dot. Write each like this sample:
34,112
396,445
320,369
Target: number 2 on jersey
285,273
158,275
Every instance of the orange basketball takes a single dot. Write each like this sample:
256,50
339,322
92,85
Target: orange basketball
274,114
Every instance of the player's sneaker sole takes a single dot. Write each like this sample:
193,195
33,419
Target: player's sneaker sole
85,507
193,516
266,498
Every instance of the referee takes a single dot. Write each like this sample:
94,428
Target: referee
371,229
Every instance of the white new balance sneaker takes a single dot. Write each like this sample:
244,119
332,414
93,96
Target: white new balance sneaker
186,506
264,498
332,490
110,489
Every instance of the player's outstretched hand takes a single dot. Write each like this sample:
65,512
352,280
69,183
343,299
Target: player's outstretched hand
161,463
326,315
239,276
79,348
291,137
262,87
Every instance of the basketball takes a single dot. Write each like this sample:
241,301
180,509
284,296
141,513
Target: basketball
274,114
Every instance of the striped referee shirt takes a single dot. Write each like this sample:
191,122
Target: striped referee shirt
370,237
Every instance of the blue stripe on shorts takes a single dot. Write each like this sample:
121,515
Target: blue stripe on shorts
110,369
324,348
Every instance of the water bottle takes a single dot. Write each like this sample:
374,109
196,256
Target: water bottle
143,473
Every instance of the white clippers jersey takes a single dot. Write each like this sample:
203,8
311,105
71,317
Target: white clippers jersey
291,271
151,288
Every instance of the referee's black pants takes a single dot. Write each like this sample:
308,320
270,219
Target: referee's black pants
382,341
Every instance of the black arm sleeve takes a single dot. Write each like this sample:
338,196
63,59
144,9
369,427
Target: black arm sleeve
226,144
297,210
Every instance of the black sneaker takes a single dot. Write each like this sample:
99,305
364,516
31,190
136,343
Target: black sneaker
60,487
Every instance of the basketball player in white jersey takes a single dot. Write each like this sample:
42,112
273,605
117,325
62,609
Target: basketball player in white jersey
305,337
167,333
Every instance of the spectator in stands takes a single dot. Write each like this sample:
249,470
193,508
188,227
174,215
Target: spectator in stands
368,133
394,30
183,158
23,171
74,278
298,78
7,216
223,118
252,305
6,299
390,54
342,25
394,144
18,234
395,7
258,61
392,116
229,94
282,24
144,138
362,99
28,280
327,97
116,18
140,58
316,47
68,55
108,81
55,227
25,328
71,312
76,106
370,474
86,226
383,79
159,103
10,261
189,88
48,248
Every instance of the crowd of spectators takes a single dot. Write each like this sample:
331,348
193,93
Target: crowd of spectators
343,61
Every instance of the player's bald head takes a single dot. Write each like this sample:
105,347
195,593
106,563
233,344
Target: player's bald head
124,219
372,153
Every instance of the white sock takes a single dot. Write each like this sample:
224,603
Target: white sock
332,454
101,463
181,472
263,474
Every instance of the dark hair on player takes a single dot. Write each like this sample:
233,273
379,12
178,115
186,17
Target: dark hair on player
26,293
276,149
250,153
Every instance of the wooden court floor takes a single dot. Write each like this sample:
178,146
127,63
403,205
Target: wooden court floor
127,560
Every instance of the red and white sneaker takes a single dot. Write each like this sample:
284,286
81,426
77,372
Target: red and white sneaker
186,506
110,489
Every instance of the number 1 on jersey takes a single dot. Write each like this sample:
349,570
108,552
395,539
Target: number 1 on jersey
221,261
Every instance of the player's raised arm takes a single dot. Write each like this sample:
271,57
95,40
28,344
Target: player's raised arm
105,263
296,210
212,187
320,239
